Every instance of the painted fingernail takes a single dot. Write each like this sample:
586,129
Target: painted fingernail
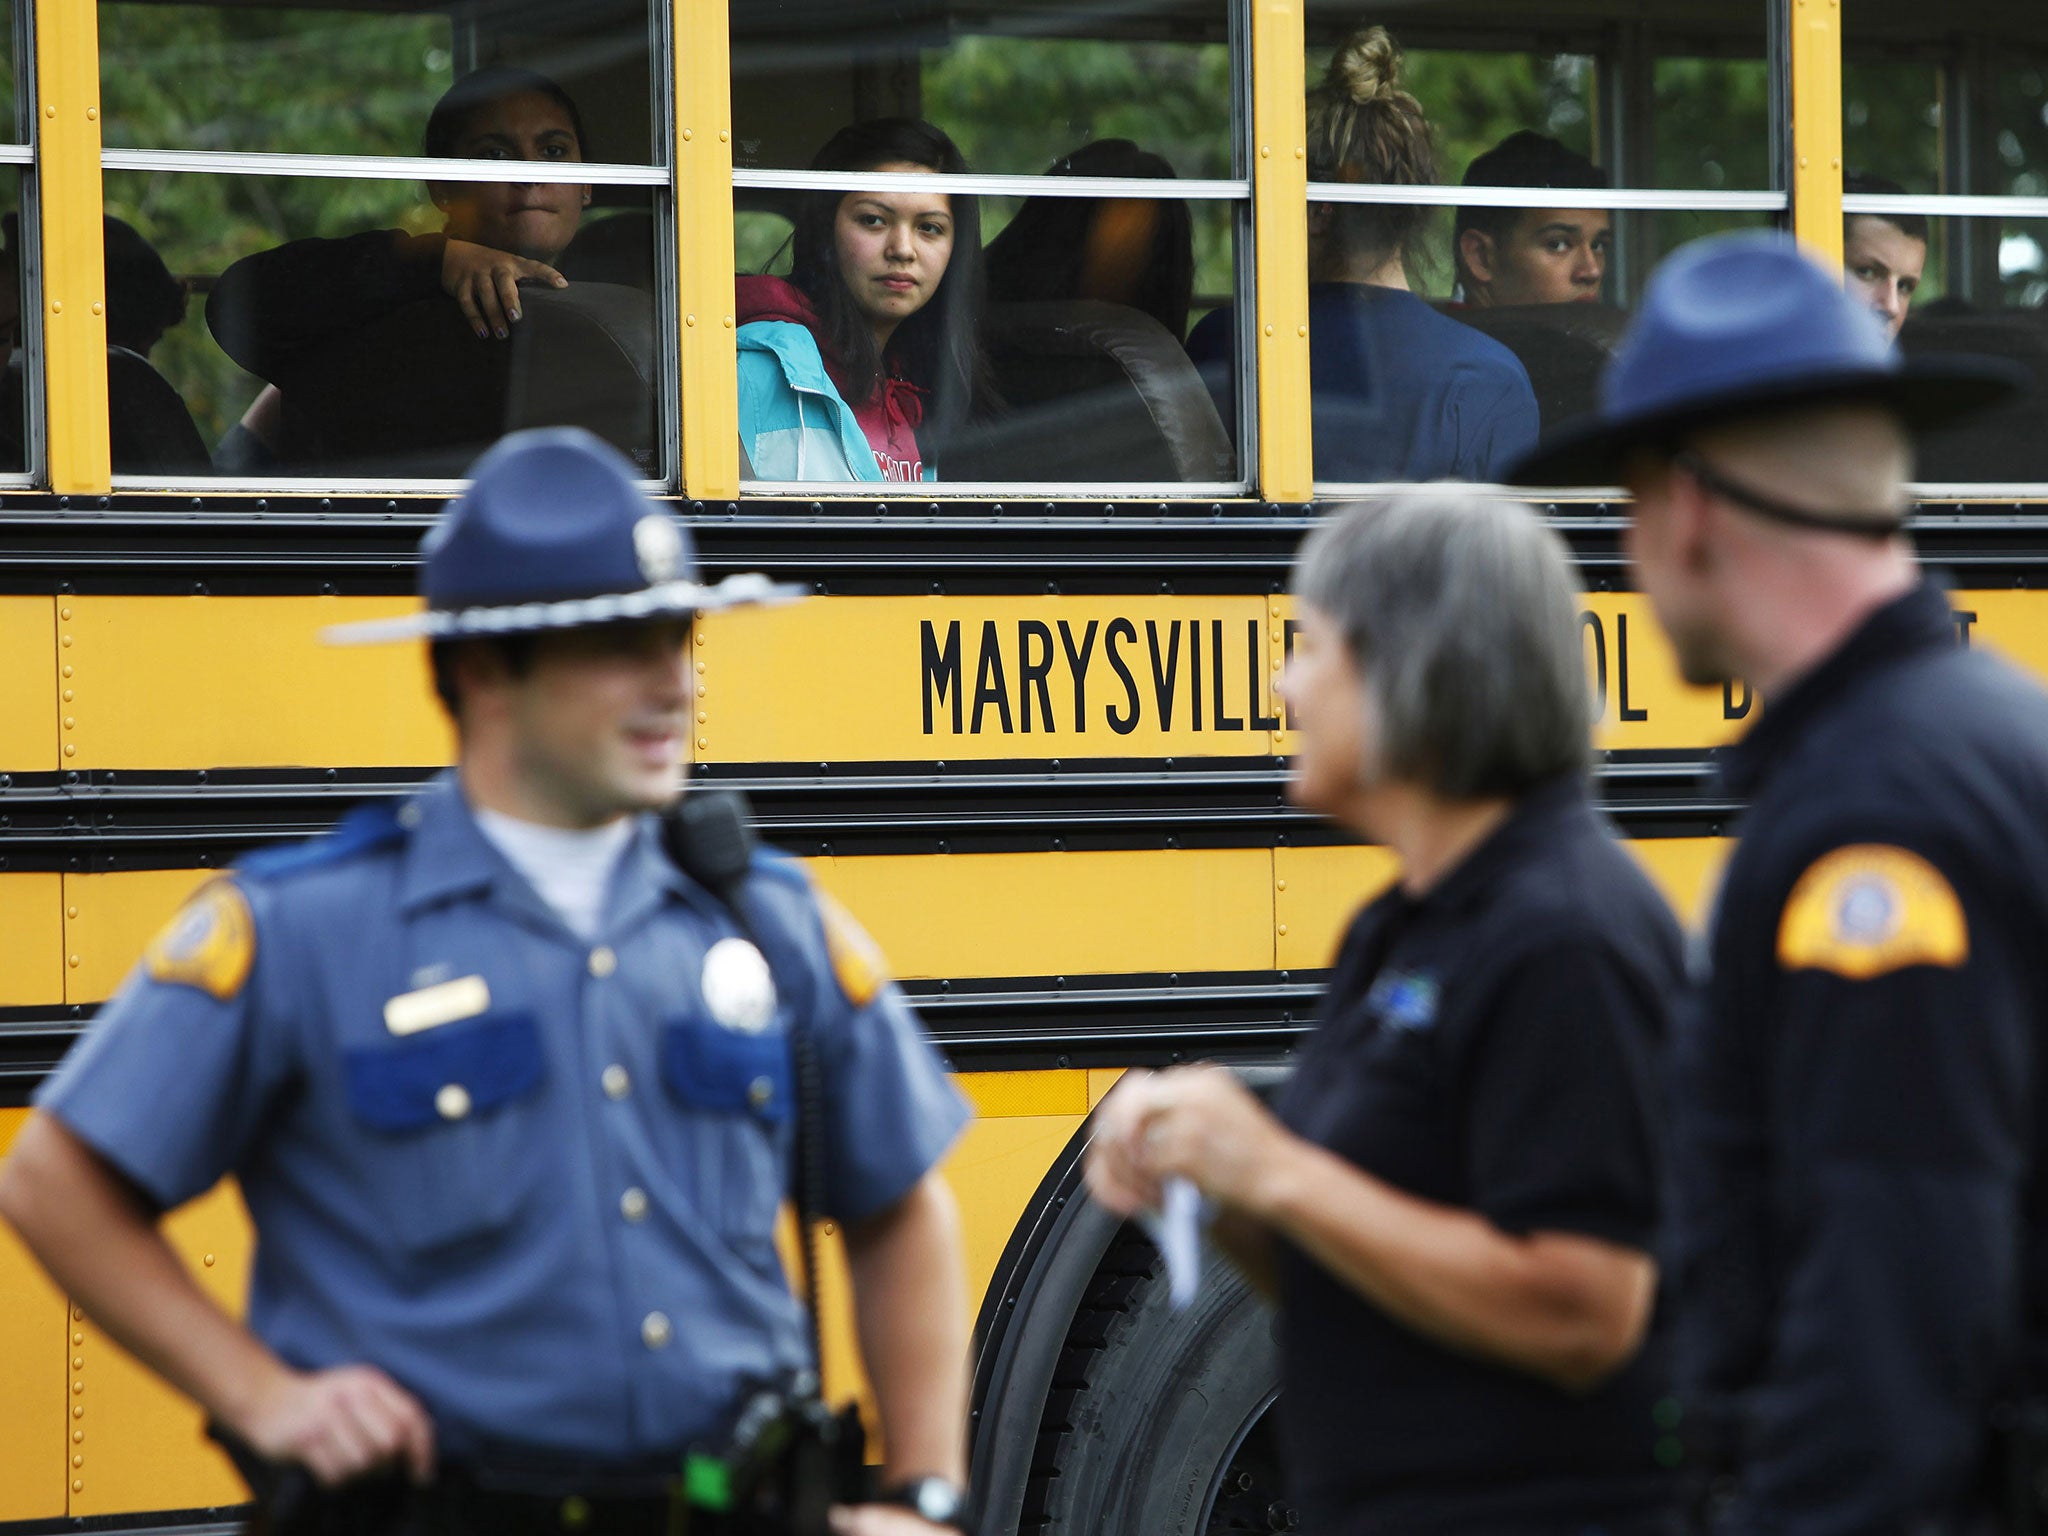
503,333
515,314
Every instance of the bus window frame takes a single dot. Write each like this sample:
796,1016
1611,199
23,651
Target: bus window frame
1236,191
1239,189
656,175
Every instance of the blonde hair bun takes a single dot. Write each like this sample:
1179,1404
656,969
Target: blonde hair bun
1366,66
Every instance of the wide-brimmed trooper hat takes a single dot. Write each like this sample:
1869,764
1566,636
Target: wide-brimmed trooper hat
554,534
1738,326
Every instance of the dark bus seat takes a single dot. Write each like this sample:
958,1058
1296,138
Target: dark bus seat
1562,347
150,428
617,248
418,394
2009,443
1093,392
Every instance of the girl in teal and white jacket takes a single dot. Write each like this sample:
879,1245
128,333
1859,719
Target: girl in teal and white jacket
873,340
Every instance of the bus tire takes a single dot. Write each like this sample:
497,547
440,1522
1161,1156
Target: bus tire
1150,1409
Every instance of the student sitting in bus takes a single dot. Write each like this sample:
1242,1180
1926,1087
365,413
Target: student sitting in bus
1137,252
1400,392
274,311
858,360
1883,254
1531,255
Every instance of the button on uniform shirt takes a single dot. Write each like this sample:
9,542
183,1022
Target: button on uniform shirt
1856,1131
533,1177
1494,1046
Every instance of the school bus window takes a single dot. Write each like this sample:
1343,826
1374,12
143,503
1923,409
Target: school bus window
1028,334
365,323
1454,319
1945,231
14,357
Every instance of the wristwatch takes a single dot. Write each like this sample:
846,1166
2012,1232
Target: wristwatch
932,1498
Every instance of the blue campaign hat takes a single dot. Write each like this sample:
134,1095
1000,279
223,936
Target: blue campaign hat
1737,326
553,533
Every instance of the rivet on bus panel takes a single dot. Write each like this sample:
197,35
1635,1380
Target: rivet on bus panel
724,137
63,613
99,308
92,114
687,135
56,306
78,1485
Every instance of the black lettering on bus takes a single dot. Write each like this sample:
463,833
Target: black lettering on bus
1621,669
1162,680
1125,630
1730,709
1077,666
1288,631
1253,672
1590,623
1033,674
941,670
989,685
1195,670
1224,722
1966,618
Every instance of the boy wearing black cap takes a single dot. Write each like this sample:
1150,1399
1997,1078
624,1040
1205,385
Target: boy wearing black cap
1856,1130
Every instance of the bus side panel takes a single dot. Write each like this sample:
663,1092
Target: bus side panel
28,685
109,918
144,1446
210,682
33,1440
31,940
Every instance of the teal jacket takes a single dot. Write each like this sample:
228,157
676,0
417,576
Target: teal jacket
793,423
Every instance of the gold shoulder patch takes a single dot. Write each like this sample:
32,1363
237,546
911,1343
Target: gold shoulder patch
210,944
1870,908
857,960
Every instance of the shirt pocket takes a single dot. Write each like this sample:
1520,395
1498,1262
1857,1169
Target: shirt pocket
739,1091
443,1116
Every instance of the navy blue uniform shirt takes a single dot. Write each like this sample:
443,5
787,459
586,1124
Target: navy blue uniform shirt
530,1177
1397,391
1493,1045
1856,1126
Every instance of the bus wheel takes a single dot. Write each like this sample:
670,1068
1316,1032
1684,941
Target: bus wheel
1157,1420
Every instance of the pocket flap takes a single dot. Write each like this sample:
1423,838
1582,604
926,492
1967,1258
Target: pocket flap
445,1075
727,1071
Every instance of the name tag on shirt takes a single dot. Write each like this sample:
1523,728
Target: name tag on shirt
430,1007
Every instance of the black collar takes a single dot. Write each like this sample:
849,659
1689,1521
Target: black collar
1529,823
1918,621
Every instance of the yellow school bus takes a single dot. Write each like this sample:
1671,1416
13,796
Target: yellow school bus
1026,728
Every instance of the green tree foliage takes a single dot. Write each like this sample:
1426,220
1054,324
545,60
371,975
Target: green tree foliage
308,82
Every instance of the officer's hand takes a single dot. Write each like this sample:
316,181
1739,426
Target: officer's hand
485,282
1203,1125
1115,1166
341,1423
883,1520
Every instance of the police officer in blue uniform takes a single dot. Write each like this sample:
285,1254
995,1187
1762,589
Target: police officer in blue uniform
508,1094
1859,1274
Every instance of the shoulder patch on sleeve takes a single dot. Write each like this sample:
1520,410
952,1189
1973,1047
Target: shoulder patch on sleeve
209,945
1868,909
857,960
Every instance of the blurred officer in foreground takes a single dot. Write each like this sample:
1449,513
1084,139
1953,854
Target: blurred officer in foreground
1858,1268
509,1095
1455,1197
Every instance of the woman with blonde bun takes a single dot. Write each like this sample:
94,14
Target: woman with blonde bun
1399,391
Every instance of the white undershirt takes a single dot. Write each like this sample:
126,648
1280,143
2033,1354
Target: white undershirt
570,868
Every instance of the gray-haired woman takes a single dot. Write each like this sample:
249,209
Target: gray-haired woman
1454,1198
